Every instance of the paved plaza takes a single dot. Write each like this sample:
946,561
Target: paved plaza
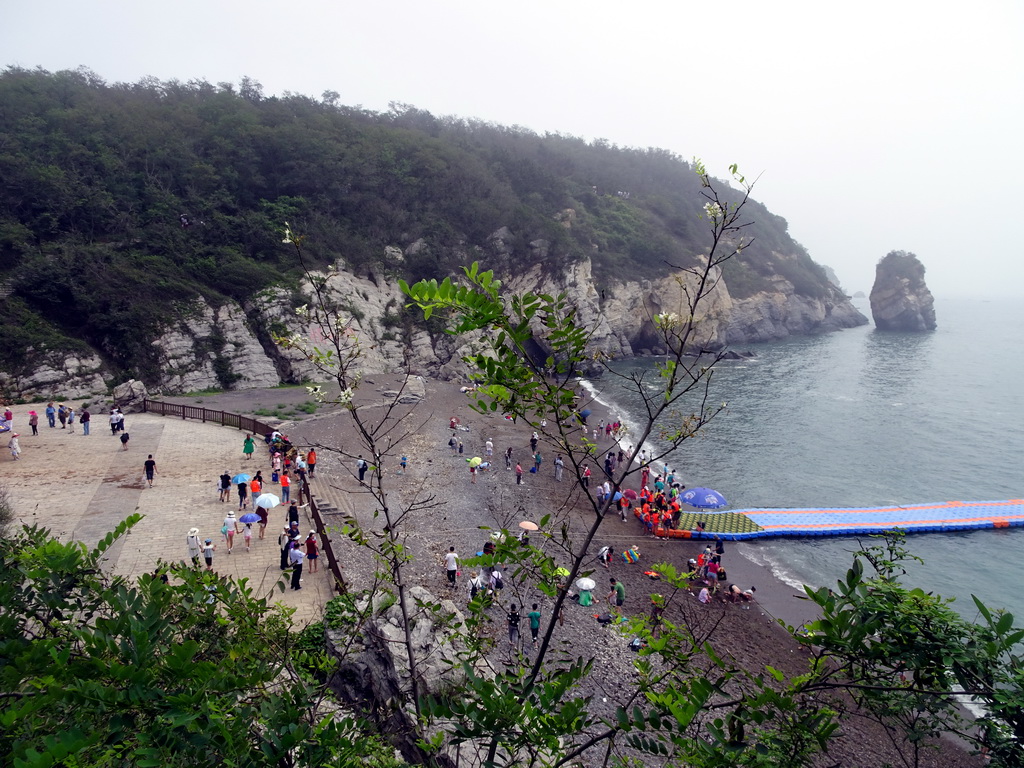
81,486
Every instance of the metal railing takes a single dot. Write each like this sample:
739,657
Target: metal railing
256,427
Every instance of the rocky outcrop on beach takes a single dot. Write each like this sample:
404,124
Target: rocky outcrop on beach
900,300
54,374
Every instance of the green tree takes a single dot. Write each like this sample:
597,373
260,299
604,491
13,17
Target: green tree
98,671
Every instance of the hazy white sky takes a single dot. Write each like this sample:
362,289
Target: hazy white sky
875,125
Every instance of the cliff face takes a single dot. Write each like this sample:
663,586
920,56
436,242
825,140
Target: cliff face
900,300
230,346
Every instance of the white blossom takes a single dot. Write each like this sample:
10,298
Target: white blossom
713,210
667,320
345,398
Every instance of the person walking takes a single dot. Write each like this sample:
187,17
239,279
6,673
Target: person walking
312,552
286,486
559,466
534,617
537,461
14,446
513,627
489,448
362,466
508,458
119,420
533,442
475,584
311,463
62,416
229,529
248,447
585,480
247,535
295,558
85,418
33,421
451,564
224,486
519,474
150,468
194,546
243,494
124,440
208,549
71,421
113,422
453,443
51,415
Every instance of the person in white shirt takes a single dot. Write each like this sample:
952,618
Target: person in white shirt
451,566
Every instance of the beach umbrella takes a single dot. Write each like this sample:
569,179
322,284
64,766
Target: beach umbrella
703,498
267,501
526,525
586,584
249,517
617,496
241,478
476,461
630,494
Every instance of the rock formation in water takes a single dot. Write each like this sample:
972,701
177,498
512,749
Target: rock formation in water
900,300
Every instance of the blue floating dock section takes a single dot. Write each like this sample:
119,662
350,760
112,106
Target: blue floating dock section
916,518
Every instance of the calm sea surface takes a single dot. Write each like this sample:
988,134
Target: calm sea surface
862,418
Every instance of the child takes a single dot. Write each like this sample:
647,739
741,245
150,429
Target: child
247,535
403,464
208,549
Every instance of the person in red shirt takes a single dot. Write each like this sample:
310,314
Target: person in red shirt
312,552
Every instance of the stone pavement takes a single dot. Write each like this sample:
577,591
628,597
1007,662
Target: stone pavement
81,486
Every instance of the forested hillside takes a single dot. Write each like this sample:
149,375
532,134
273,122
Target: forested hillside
120,202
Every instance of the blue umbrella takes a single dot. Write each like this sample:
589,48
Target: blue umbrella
703,498
241,478
249,517
617,496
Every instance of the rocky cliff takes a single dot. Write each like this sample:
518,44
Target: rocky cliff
230,346
900,300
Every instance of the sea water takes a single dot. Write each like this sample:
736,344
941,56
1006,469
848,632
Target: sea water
864,418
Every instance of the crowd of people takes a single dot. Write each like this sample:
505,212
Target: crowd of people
285,460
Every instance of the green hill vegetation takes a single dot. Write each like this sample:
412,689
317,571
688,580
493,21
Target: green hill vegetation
122,202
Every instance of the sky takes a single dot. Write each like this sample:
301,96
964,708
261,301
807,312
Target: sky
870,126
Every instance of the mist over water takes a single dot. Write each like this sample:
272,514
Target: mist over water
862,418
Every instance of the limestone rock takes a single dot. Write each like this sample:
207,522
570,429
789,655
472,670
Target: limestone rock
900,300
53,374
128,396
412,390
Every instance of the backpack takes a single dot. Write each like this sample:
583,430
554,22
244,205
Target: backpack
499,583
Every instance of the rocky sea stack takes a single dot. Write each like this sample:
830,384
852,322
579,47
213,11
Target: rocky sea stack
900,300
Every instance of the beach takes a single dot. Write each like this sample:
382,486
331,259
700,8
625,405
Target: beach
456,512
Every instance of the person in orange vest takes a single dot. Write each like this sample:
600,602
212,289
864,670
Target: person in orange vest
255,488
286,488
